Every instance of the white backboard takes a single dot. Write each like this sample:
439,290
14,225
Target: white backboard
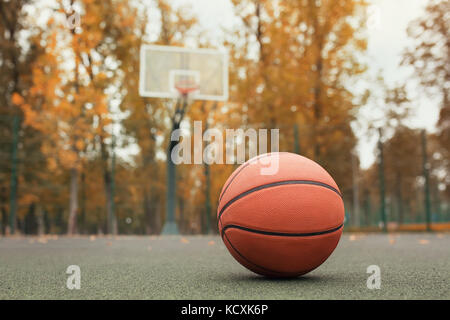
162,67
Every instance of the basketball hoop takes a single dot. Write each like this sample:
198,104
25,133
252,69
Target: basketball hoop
186,88
170,72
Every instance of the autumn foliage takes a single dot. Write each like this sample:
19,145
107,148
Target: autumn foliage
91,156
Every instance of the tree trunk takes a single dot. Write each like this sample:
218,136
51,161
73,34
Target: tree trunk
4,220
399,199
367,208
30,225
107,180
355,173
82,226
40,220
73,208
148,214
317,109
317,89
47,224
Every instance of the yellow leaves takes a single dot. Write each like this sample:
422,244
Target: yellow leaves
17,99
392,239
27,199
101,108
34,91
52,164
361,44
68,158
79,144
88,2
32,118
91,40
101,76
42,240
128,21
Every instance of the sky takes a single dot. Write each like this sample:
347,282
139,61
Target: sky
387,38
386,42
386,45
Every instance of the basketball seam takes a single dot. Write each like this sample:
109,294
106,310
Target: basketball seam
240,170
246,259
281,234
266,232
274,184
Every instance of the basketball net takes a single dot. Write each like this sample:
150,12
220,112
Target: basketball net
187,88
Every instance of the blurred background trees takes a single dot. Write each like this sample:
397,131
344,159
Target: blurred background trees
82,152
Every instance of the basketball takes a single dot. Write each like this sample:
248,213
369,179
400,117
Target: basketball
283,222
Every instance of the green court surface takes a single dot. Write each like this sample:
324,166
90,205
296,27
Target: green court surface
413,266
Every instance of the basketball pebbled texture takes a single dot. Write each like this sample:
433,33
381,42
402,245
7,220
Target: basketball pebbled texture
280,225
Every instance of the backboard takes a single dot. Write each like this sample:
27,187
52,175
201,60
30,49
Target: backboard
165,69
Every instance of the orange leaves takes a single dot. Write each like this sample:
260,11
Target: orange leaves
361,44
52,164
79,144
304,52
101,76
17,99
28,198
31,117
68,158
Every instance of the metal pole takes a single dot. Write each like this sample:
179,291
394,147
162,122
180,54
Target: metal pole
170,225
112,218
296,140
426,174
208,198
355,169
207,172
13,193
381,178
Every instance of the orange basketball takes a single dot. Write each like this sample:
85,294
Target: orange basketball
284,221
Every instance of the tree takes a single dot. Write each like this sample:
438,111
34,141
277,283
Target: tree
403,163
292,63
430,58
73,85
148,117
19,177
